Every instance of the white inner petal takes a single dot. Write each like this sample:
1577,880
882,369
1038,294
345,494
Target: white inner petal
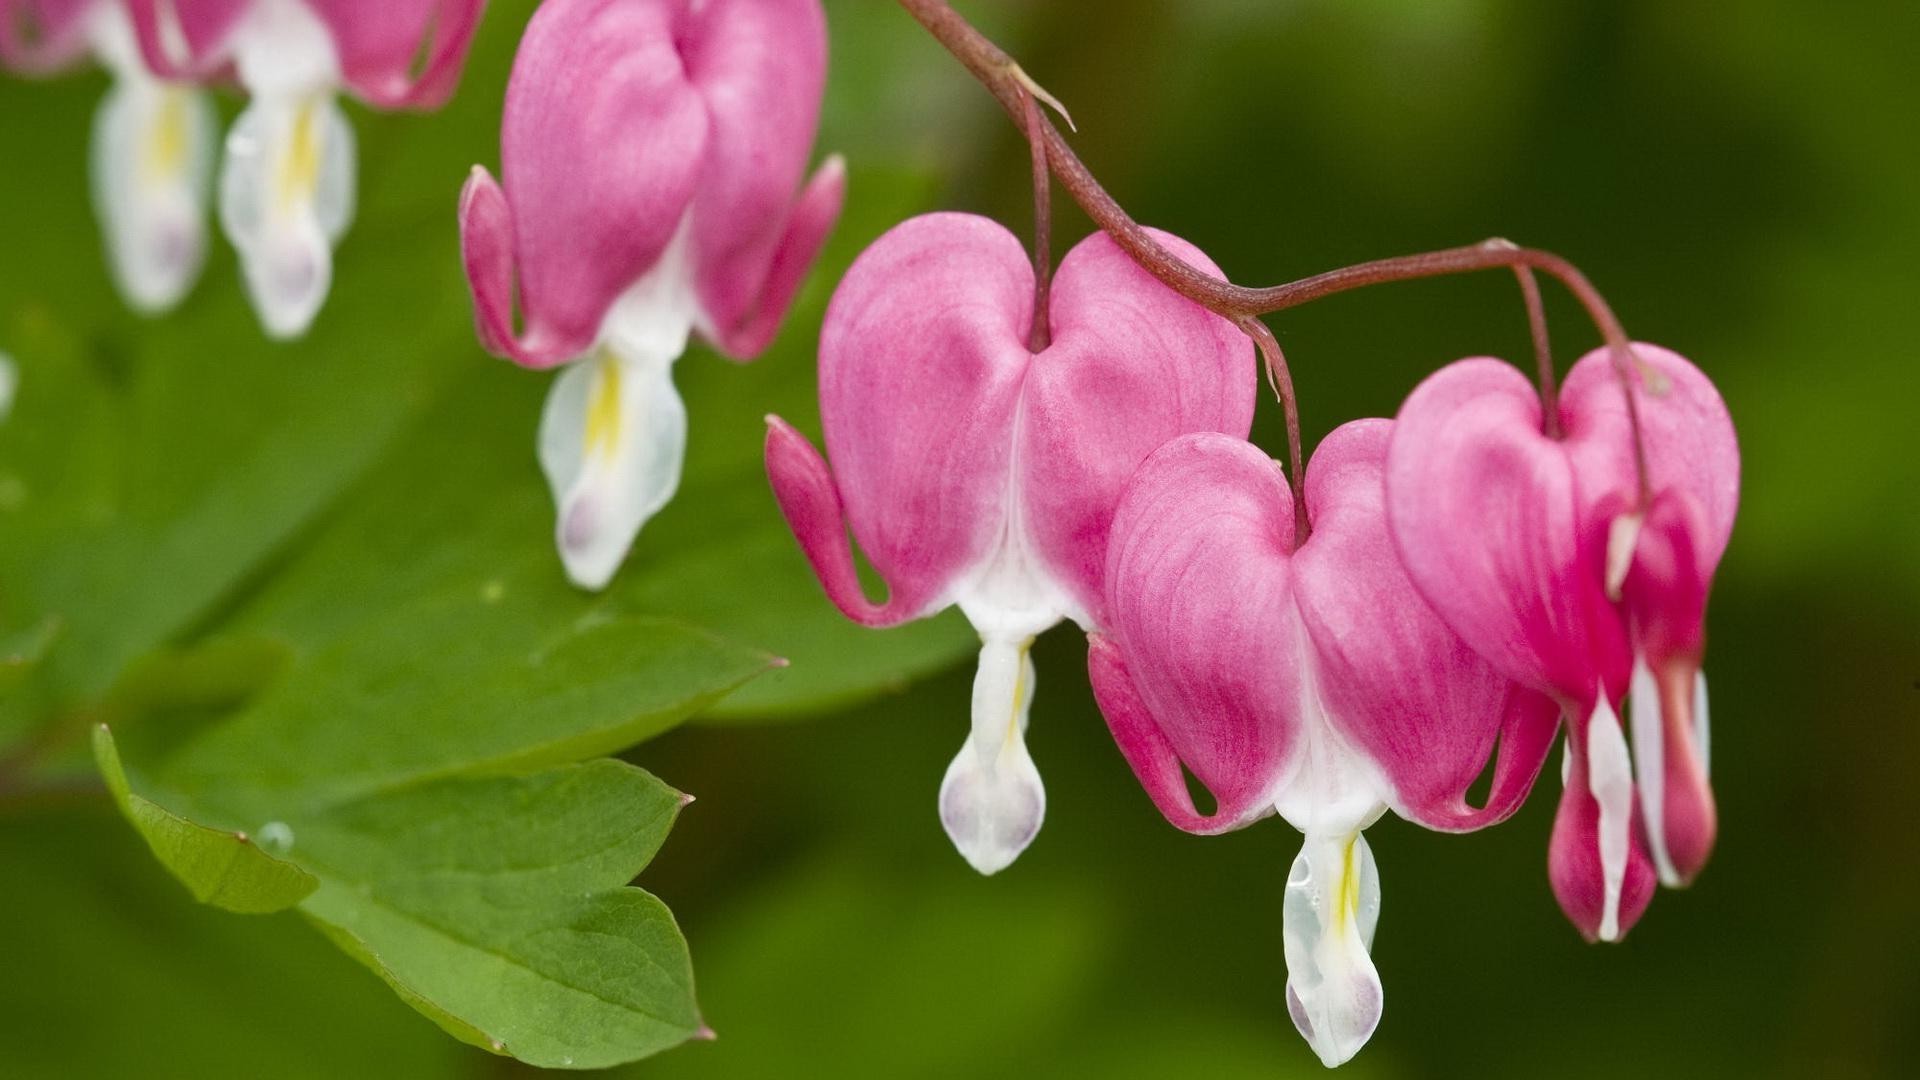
612,440
1329,788
286,196
152,158
280,47
1623,535
1649,765
152,161
1331,908
1610,779
991,801
613,435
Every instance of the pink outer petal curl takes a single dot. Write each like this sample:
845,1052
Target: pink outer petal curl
199,49
946,433
1394,679
601,144
1131,365
760,66
921,364
626,119
401,54
1485,510
1202,662
1505,530
39,37
1573,857
1666,597
1224,642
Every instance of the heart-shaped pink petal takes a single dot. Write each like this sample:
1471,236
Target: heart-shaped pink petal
1395,680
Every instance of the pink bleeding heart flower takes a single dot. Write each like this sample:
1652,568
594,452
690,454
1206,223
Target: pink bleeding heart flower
288,176
1310,680
650,153
152,146
1543,554
975,472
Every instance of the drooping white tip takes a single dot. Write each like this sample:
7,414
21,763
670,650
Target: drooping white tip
1623,535
992,810
1331,908
286,197
1649,764
152,159
992,802
1610,779
613,437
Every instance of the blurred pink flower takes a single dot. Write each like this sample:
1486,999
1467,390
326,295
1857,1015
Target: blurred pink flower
650,152
1541,553
152,146
287,179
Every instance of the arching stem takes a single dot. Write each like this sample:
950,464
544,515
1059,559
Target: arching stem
1281,379
1040,334
1542,347
1004,79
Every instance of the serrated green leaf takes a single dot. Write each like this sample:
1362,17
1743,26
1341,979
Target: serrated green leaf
221,867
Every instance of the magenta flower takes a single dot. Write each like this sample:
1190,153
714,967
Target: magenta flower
974,472
152,152
287,180
1311,680
650,152
1541,552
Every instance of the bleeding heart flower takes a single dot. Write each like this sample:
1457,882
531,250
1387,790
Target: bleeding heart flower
287,180
975,472
1308,680
152,152
650,152
1543,553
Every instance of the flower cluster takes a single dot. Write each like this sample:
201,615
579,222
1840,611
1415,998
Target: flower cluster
1433,597
286,179
1476,575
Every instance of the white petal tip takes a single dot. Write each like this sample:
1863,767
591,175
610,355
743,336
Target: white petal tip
1623,535
1332,904
992,810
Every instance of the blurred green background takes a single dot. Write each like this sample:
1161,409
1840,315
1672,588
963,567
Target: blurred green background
1739,180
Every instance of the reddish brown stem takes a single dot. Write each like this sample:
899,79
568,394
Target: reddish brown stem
1542,349
1040,334
1004,79
1280,377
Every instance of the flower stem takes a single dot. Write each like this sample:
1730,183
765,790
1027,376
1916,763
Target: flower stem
1004,79
1281,379
1040,334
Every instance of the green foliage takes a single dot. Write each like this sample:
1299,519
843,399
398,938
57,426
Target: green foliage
311,588
222,868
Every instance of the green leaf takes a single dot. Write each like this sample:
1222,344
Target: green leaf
224,868
500,903
313,587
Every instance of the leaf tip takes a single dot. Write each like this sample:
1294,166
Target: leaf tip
686,800
705,1034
